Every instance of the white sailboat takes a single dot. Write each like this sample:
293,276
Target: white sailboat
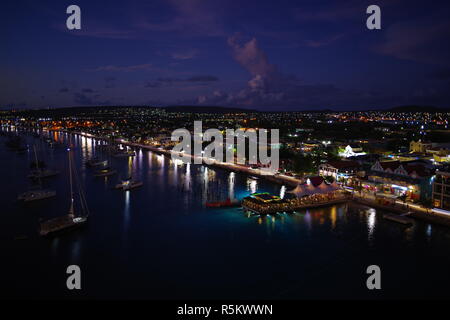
40,173
70,220
129,184
39,193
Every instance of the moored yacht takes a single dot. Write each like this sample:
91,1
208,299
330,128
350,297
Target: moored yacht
42,173
34,195
70,220
129,184
105,172
95,162
124,154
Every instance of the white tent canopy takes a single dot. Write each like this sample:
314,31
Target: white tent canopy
302,190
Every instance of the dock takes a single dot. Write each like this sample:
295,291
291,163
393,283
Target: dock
267,204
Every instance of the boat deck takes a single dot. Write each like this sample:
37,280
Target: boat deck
57,224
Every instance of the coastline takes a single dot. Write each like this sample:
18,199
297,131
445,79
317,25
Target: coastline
414,210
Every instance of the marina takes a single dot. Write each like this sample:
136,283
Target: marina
166,226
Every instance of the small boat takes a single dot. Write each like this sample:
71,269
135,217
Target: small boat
60,224
105,172
35,195
222,204
95,162
124,154
39,172
399,219
42,173
129,184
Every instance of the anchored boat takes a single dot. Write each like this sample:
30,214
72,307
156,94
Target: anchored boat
95,162
39,193
39,172
71,220
105,172
129,184
124,154
34,195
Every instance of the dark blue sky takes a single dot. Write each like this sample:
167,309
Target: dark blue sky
269,55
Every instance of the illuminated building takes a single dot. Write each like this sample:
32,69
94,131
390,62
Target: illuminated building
441,190
340,170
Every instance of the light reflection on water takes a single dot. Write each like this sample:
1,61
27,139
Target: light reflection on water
231,178
166,218
282,192
371,222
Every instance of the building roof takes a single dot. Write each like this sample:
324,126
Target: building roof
420,171
316,181
390,165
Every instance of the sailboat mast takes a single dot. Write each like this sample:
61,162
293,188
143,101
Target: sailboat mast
71,210
38,167
35,156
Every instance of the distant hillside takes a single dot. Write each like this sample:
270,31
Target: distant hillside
207,109
418,109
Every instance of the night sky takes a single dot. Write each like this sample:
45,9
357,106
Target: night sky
267,55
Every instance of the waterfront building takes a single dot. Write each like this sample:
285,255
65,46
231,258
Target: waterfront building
307,195
340,170
409,179
441,190
420,146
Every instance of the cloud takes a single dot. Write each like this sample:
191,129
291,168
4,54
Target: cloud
323,42
339,11
87,90
105,32
250,56
203,79
153,84
200,79
132,68
194,17
83,99
268,87
425,41
110,82
187,55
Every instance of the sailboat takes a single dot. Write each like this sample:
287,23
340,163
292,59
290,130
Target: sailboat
40,173
124,153
39,193
129,183
95,162
105,172
71,220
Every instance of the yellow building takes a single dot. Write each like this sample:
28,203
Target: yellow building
419,146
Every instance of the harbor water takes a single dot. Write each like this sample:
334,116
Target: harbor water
159,241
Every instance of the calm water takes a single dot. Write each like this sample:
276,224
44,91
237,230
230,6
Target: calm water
160,242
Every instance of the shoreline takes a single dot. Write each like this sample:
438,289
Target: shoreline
279,179
415,211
